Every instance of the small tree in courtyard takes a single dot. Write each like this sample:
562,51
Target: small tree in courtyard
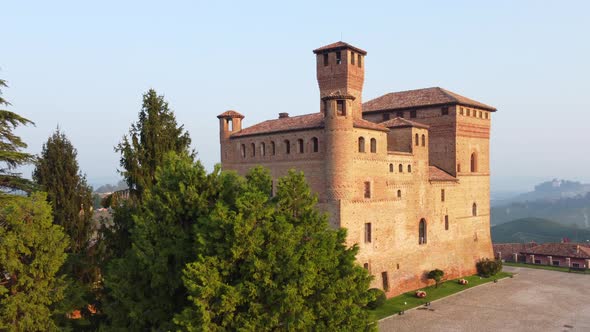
436,275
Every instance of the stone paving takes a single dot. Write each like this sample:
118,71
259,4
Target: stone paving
534,300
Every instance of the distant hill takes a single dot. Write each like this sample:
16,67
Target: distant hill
538,230
109,188
547,191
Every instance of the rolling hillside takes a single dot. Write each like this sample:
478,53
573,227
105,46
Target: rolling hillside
538,230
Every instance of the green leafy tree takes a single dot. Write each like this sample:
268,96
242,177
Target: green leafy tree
267,264
436,275
31,253
11,155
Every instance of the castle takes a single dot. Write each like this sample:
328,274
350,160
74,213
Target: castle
407,174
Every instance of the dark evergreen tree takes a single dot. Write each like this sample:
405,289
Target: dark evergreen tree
11,155
31,253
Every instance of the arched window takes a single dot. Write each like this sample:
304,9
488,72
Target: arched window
474,162
243,150
417,139
373,145
367,189
230,124
391,168
361,144
409,168
253,149
366,266
401,168
315,144
273,150
262,149
423,140
422,232
474,209
287,147
399,194
300,145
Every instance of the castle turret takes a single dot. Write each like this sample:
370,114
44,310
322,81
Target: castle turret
341,71
229,122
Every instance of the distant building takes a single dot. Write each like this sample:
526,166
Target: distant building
556,254
407,173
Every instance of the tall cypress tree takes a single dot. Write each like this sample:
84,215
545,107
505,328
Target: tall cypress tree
11,155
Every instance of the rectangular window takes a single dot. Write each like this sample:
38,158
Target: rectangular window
445,110
412,114
575,265
340,107
556,263
367,189
446,222
400,114
537,261
386,116
359,61
442,195
368,232
385,281
461,110
352,58
338,58
326,59
487,115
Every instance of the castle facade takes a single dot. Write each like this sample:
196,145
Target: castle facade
407,174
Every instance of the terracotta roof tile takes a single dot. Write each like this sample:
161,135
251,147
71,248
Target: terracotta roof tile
420,98
403,123
362,123
507,250
437,174
230,114
573,250
338,45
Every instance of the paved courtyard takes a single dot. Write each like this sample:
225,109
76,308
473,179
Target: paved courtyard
534,300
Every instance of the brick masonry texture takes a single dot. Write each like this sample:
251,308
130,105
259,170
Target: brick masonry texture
384,165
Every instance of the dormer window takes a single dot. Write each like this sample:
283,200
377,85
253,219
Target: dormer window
340,107
326,59
338,57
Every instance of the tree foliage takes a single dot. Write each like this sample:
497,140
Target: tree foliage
31,253
488,267
436,275
11,146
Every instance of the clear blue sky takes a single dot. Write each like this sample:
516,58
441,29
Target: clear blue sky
84,66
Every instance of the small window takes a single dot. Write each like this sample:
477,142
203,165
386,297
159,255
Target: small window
444,110
340,107
230,124
386,116
373,145
361,144
315,144
325,105
287,147
243,150
400,168
359,60
352,58
417,138
326,59
423,140
368,232
367,189
480,115
575,265
487,115
273,151
253,150
446,222
399,114
366,266
412,114
262,149
409,168
458,168
390,168
300,145
473,162
556,263
385,281
422,232
537,261
399,193
474,209
461,110
442,195
338,58
468,112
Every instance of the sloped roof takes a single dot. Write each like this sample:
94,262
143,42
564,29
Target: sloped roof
403,123
573,250
230,114
437,174
420,98
338,45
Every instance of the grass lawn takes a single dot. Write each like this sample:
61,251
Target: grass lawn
542,267
396,304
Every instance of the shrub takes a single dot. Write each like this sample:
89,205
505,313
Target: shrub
436,275
487,267
378,298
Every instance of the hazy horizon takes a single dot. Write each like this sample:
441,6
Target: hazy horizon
84,67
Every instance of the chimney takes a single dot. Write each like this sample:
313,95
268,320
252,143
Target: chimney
283,115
